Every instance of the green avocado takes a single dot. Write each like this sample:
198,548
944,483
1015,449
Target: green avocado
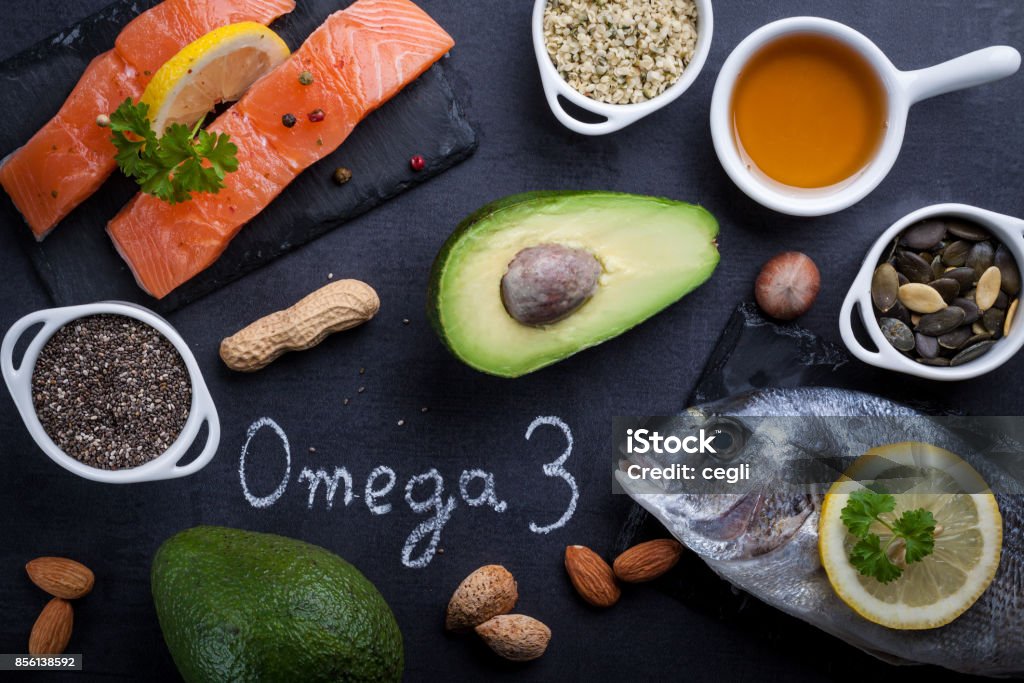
243,606
533,278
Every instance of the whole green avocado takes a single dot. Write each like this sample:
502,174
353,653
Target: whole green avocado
239,605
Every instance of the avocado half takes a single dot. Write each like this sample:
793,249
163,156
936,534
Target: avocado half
652,252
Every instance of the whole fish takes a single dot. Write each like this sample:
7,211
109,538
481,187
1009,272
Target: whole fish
764,540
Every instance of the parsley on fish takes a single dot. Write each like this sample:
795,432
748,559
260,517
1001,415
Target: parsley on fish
174,165
913,534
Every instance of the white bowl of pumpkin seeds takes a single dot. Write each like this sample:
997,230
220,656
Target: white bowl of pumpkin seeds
938,294
110,391
619,60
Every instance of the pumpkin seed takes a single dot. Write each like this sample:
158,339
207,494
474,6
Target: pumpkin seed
963,275
956,253
941,322
993,321
940,362
924,235
1008,322
897,333
966,230
903,279
1002,301
900,312
955,339
981,257
988,286
975,339
979,328
885,286
915,318
1008,267
913,266
970,309
971,352
927,347
921,298
947,288
938,267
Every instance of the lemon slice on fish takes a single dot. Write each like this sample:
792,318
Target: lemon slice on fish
218,67
969,534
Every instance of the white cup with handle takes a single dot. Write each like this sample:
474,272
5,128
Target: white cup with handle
903,89
19,383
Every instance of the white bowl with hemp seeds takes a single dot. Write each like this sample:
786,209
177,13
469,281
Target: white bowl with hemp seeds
618,59
111,392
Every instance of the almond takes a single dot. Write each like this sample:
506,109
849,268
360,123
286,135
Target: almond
591,576
489,591
61,577
647,561
52,630
516,637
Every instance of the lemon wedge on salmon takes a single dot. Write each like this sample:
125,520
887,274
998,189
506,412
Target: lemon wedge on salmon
218,67
968,536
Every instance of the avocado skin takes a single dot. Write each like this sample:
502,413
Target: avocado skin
540,198
237,605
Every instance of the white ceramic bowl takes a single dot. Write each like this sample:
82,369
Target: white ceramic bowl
19,383
617,116
1007,229
904,88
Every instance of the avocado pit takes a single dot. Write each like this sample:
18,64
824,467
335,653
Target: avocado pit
548,282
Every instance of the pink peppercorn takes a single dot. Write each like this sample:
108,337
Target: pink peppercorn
316,116
417,162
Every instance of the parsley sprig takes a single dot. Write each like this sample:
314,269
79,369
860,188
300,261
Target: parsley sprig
174,165
915,530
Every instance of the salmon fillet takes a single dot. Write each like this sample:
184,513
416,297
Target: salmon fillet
70,157
359,58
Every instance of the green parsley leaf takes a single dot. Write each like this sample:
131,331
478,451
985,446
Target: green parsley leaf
870,559
173,166
917,529
863,510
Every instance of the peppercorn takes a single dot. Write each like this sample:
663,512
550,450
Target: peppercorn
288,120
305,78
342,175
417,162
316,116
103,121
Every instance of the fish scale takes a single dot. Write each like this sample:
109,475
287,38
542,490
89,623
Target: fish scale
780,564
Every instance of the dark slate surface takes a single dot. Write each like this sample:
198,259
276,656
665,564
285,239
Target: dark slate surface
963,147
78,262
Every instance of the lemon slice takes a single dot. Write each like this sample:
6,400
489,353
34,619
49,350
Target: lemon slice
937,589
218,67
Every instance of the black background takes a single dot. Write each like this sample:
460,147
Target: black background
962,147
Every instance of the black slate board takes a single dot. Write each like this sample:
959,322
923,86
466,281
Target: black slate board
77,262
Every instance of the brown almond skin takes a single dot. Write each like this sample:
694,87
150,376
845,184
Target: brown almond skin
52,630
647,561
515,637
489,591
61,577
591,576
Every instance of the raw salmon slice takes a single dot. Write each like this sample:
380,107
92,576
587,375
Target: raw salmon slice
70,157
155,36
359,58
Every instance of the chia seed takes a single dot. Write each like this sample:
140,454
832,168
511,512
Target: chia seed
111,391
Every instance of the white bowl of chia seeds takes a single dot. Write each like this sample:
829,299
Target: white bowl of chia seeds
111,392
618,59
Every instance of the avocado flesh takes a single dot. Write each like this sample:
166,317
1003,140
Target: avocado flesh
236,605
653,251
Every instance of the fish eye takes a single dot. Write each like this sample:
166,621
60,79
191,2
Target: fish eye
728,437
